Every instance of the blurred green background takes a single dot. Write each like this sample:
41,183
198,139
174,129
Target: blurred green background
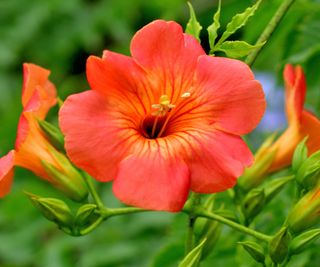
59,35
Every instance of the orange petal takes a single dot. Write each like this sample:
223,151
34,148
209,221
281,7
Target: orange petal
310,126
36,78
97,137
232,98
6,173
295,92
168,55
154,178
216,160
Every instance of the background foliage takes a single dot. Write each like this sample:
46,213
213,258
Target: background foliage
59,35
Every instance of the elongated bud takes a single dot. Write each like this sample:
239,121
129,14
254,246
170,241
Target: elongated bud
193,257
300,155
301,242
275,186
254,250
255,175
279,245
253,203
53,134
53,209
309,171
306,212
67,179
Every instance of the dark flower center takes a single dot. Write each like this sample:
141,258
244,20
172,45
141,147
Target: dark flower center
152,126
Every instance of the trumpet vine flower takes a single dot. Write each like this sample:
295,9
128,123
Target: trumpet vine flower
32,149
301,123
164,121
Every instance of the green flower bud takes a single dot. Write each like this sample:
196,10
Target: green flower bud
65,177
53,209
86,215
306,211
301,242
309,171
279,245
53,134
255,250
300,155
253,203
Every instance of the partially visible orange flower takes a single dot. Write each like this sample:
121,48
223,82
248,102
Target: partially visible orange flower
31,147
301,123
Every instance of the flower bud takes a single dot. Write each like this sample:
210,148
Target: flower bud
255,250
254,175
53,134
86,215
53,209
300,155
306,212
309,171
253,203
279,245
67,178
301,242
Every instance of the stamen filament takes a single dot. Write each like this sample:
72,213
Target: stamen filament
154,126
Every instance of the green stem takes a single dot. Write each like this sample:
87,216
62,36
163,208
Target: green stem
108,212
92,190
193,202
266,34
232,224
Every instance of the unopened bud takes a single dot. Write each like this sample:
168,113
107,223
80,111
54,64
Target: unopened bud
86,215
300,155
279,245
254,250
254,175
301,242
53,134
67,179
53,209
253,203
306,212
309,171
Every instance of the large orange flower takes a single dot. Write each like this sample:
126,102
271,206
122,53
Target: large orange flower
164,121
32,148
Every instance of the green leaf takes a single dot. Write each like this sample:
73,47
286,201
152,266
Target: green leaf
238,21
193,257
254,249
237,49
213,28
193,26
301,242
300,155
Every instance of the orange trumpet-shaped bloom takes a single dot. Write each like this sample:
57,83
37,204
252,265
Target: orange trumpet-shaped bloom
32,148
164,121
38,96
301,123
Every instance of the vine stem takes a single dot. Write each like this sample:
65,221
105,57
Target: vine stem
268,31
192,204
93,192
232,224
